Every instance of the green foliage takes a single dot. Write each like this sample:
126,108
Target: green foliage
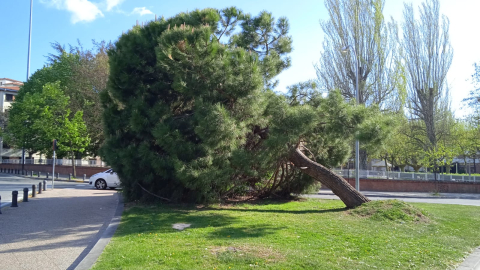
80,74
183,112
42,116
188,117
270,40
36,119
73,138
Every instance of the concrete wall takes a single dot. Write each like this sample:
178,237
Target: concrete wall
89,171
416,186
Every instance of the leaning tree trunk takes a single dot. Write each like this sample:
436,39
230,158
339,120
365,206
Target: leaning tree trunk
340,187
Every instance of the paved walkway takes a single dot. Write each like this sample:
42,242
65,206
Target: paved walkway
55,230
442,198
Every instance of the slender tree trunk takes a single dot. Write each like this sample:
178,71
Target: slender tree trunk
474,165
339,186
386,166
363,159
73,166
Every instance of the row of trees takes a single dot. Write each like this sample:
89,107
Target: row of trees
406,146
402,73
189,111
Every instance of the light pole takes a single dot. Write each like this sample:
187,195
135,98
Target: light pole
28,74
357,97
29,40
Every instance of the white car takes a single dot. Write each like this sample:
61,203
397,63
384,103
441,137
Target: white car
105,179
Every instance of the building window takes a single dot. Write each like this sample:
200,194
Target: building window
9,97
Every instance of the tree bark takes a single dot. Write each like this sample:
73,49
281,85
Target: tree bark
73,166
339,186
363,163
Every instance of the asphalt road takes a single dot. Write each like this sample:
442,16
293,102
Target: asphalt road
442,198
9,183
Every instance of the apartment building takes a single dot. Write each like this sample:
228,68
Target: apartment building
8,90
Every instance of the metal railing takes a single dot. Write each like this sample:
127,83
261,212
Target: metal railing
407,176
64,162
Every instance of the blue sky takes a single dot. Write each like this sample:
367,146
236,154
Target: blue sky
66,21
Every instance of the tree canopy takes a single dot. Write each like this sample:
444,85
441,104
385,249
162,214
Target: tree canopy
189,117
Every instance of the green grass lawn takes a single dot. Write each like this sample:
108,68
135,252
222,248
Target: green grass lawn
310,234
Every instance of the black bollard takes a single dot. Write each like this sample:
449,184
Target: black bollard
33,191
25,194
40,188
48,174
31,173
58,175
14,198
44,185
39,174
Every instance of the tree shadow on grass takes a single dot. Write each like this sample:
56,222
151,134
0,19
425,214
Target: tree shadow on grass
160,220
300,212
143,219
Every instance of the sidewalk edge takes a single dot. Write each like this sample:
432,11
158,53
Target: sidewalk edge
472,262
89,259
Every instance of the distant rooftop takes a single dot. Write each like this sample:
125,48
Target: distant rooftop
7,84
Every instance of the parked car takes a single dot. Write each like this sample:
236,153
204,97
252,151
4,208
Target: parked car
105,179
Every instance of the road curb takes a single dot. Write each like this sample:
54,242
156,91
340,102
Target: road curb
49,179
472,262
90,255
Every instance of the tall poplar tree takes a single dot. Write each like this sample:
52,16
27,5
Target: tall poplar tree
427,55
361,25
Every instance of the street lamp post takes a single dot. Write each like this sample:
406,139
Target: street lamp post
28,74
29,40
357,97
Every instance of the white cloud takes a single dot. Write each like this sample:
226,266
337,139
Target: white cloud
141,11
82,10
113,3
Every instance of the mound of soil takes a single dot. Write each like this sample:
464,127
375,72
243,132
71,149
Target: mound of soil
393,210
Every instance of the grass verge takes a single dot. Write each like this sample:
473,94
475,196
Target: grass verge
309,234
